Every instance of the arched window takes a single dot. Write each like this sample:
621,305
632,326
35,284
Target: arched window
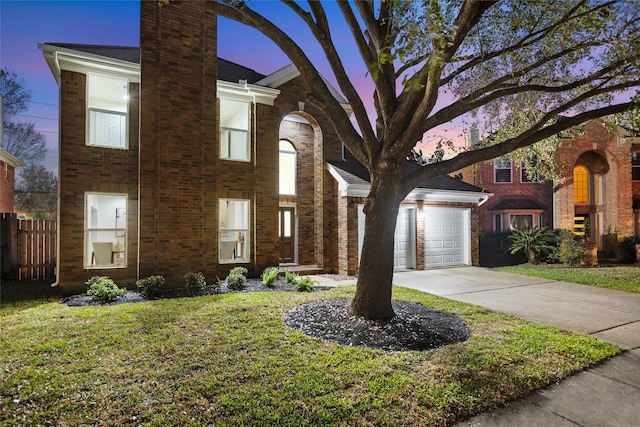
287,168
580,185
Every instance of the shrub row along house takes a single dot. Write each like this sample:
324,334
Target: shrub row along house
597,193
174,160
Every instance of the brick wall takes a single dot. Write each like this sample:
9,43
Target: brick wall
92,169
7,182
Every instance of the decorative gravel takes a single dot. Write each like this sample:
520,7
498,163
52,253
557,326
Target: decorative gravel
82,300
415,327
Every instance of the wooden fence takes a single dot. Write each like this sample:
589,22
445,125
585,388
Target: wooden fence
28,248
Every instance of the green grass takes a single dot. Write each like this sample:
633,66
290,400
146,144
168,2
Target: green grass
230,360
17,295
623,278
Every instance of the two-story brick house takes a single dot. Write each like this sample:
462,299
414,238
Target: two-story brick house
598,187
174,160
8,164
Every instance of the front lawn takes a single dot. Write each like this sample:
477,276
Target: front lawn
230,360
623,278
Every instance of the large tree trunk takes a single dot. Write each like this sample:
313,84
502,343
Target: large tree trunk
373,292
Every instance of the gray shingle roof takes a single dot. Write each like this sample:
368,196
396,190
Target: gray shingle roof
227,70
516,202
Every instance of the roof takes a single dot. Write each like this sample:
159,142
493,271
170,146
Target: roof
355,172
227,70
516,203
9,158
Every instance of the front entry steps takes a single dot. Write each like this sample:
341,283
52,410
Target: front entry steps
302,270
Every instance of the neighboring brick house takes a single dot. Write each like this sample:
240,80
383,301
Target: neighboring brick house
173,160
8,164
598,187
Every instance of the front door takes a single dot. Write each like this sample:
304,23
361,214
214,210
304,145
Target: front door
287,235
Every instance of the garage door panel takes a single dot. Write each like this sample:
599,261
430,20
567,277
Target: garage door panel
446,237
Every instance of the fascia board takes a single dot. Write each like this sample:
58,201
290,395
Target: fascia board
72,60
10,159
247,92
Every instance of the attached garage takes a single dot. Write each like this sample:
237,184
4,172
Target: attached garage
447,237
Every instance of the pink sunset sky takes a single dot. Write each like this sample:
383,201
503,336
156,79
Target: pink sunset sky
26,23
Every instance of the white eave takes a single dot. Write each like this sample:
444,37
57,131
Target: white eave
243,91
61,58
361,189
10,159
290,72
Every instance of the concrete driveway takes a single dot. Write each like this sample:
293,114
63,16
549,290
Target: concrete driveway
607,395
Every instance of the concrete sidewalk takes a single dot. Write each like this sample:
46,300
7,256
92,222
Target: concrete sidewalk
607,395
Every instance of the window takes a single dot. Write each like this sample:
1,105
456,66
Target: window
287,168
105,230
234,130
502,169
497,223
234,231
524,174
580,185
107,101
635,166
520,221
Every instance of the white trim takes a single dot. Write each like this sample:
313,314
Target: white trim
10,159
247,92
60,58
456,196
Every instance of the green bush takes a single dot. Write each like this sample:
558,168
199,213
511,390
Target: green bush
194,283
290,278
104,289
571,248
237,278
304,285
628,246
151,287
269,276
533,241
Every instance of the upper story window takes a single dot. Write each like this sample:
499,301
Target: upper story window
234,130
580,185
635,166
287,168
502,169
107,106
525,173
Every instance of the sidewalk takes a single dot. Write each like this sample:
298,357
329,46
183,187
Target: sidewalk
607,395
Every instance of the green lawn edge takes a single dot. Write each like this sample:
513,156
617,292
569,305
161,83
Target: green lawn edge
230,360
622,278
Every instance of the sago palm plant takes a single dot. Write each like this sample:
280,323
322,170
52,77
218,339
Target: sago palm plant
534,241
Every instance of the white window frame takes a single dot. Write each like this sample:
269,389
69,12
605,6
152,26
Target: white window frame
98,234
101,111
287,152
499,164
235,133
234,239
523,174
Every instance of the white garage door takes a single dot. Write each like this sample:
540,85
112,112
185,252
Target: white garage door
404,245
446,237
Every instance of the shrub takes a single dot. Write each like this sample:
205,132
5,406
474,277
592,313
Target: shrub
290,278
270,275
104,289
570,248
628,248
533,241
304,285
237,278
194,283
151,287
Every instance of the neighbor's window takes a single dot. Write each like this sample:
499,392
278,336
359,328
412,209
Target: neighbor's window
105,233
580,185
107,101
497,223
287,168
234,231
234,130
524,171
502,169
520,221
635,166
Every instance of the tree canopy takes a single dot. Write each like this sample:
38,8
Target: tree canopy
517,66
